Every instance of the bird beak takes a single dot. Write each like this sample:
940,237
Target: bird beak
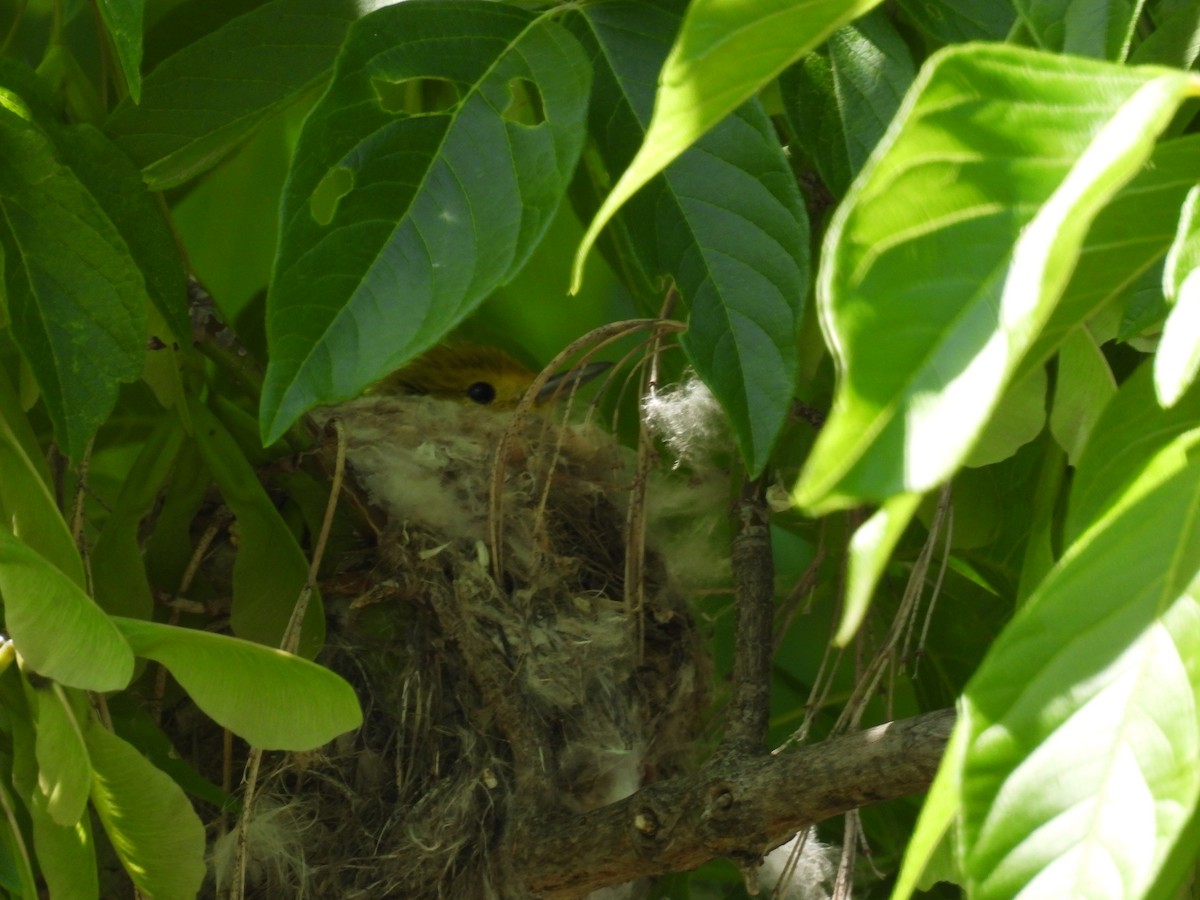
570,380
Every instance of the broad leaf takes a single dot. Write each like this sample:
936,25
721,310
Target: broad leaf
1132,432
1178,356
956,21
1129,236
76,297
64,773
841,99
270,569
203,101
724,53
724,222
1082,388
1083,722
58,629
27,504
148,819
422,181
273,699
123,22
1100,30
119,578
925,349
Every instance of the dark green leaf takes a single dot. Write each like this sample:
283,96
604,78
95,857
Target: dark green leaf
956,21
724,221
270,570
1100,30
422,181
724,53
841,99
123,22
76,297
201,102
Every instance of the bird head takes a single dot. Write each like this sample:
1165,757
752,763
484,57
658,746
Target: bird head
474,373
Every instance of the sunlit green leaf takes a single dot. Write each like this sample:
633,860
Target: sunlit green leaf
59,631
724,222
1178,357
273,699
148,819
925,349
1082,388
64,773
870,548
1127,238
724,53
1079,773
422,180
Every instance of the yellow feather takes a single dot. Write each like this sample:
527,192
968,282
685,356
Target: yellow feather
474,373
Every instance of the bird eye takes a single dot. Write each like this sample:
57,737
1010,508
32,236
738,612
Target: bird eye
481,392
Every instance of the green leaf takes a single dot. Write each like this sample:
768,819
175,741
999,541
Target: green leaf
1099,30
1082,721
1132,432
958,21
840,100
870,548
1082,389
724,221
724,53
1127,238
117,186
1018,419
148,819
1178,356
273,699
27,504
119,578
270,569
66,854
123,22
926,349
1175,41
58,629
422,181
936,819
200,103
64,773
76,297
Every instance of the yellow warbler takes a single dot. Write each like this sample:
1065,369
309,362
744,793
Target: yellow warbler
478,374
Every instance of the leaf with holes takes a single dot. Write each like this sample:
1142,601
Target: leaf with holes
422,181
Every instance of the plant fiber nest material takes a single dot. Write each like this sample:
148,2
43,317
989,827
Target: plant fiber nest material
547,693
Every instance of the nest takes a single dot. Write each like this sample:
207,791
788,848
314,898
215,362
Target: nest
494,678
